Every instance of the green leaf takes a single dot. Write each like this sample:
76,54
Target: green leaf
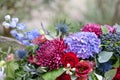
104,29
110,74
92,76
116,65
9,50
104,56
10,69
52,75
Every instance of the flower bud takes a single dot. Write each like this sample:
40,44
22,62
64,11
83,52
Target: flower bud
5,24
2,63
7,17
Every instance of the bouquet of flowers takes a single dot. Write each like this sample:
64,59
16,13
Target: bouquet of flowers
93,53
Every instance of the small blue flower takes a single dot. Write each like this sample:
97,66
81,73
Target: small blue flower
19,36
14,22
21,26
13,33
105,66
20,54
26,42
63,28
32,35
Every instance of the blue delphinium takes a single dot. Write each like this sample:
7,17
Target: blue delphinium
83,44
63,28
14,22
20,36
20,54
13,33
105,66
32,34
21,26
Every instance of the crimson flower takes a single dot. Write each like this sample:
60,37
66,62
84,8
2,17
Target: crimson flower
64,76
90,27
83,68
96,28
117,76
69,58
49,54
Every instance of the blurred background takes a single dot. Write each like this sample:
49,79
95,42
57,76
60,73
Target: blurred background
50,12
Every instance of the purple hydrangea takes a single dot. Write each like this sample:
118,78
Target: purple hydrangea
83,44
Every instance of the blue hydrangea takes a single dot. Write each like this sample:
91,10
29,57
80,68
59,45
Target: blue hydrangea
83,44
21,26
63,28
32,34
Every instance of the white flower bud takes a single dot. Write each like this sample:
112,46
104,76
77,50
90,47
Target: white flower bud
70,73
7,17
64,69
5,24
73,69
68,65
67,72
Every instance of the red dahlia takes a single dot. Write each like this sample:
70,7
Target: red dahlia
49,54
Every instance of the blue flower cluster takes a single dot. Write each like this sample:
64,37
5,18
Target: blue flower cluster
83,44
18,29
27,37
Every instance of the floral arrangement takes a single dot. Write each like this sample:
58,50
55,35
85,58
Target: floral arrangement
93,53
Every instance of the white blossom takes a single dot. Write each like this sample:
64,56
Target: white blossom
5,24
7,17
2,74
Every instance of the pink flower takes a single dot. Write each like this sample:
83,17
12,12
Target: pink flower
111,29
90,27
96,28
10,57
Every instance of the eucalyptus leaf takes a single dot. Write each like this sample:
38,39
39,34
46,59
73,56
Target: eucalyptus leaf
104,56
99,77
110,74
52,75
104,29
